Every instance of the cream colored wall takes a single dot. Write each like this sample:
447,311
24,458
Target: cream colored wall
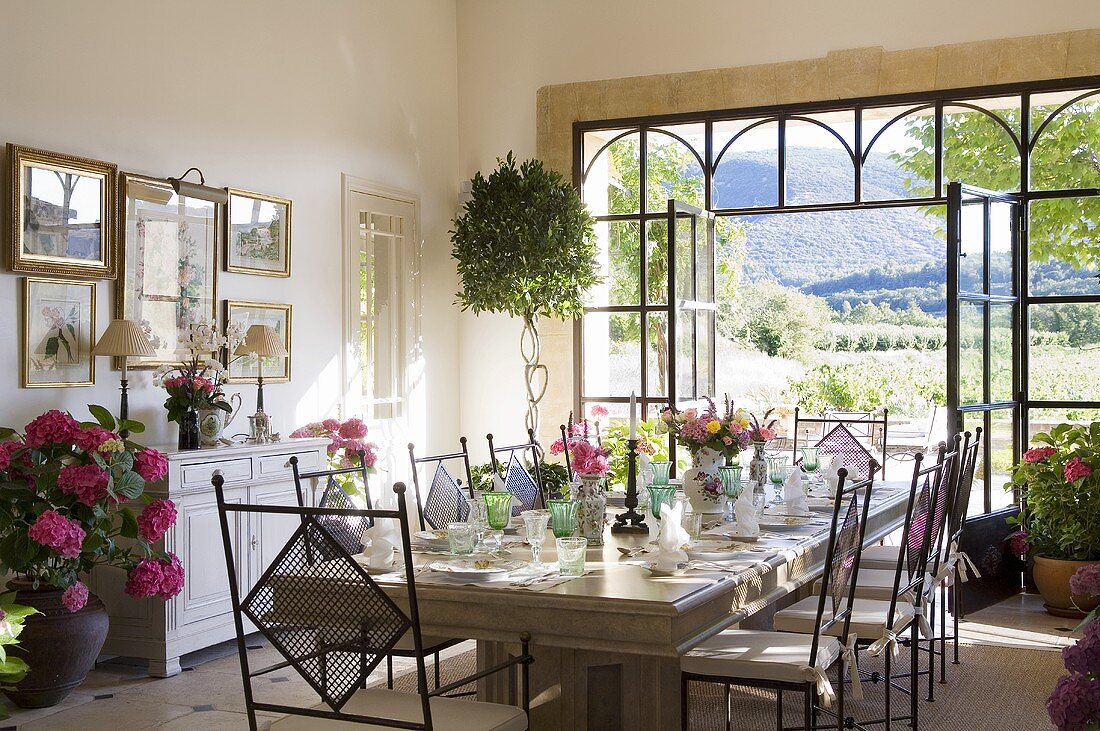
509,50
278,96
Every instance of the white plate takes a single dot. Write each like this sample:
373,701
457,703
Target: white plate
788,523
735,536
475,568
719,550
433,536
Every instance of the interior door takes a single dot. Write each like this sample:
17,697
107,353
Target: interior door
983,363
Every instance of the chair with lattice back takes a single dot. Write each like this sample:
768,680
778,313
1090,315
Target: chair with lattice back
958,565
333,623
446,502
346,531
528,489
850,437
789,661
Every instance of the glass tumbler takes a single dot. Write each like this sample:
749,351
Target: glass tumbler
460,538
535,522
571,555
660,471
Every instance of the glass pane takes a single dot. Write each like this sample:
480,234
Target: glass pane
685,248
1001,437
747,171
819,166
971,247
685,355
1064,352
673,169
617,413
619,265
971,421
704,352
1066,151
900,157
657,357
656,262
612,183
1000,374
971,352
978,149
1043,420
612,353
1002,223
704,262
1064,246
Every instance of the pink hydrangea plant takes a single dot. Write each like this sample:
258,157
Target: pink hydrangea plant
55,531
52,427
88,482
1039,454
150,464
75,597
155,520
1076,469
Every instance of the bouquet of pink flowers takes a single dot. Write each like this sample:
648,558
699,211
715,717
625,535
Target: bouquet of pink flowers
196,383
762,430
65,488
726,433
588,459
347,439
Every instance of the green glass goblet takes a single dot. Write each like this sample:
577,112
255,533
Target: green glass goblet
659,496
777,473
811,458
731,489
499,507
660,471
563,517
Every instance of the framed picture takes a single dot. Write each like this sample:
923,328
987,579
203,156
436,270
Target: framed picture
169,263
257,234
63,214
58,332
245,369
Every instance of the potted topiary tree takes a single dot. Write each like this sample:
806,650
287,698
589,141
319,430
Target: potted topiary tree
1061,483
525,246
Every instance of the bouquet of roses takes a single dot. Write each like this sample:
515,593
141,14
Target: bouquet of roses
585,458
196,383
762,430
727,432
347,440
66,489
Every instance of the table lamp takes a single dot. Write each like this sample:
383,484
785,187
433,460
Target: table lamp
263,342
123,338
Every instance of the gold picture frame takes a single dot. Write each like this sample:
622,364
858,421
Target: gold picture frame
58,333
257,234
169,274
243,369
64,218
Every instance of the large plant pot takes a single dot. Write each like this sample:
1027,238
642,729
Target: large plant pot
59,646
702,485
1052,579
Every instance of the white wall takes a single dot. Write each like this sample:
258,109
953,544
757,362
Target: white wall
508,49
277,96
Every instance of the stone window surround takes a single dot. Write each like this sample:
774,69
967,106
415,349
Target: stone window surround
848,74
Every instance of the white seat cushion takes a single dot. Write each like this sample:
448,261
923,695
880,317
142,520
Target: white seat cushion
448,714
879,557
873,583
739,653
868,617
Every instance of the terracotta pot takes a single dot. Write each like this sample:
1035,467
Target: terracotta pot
1052,578
60,646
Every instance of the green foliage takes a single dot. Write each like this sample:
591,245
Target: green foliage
614,438
902,388
1060,517
779,321
12,616
524,244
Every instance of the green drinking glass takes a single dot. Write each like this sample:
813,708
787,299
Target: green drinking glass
731,489
660,472
563,517
811,458
777,473
659,496
499,507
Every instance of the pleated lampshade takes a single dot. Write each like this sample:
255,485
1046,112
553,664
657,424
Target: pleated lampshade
263,341
123,337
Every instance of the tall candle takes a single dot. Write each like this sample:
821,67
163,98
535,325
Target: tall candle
633,416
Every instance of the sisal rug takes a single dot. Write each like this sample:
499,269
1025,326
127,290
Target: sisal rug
993,689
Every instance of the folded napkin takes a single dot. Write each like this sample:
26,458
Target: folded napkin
379,553
672,538
832,479
794,497
744,511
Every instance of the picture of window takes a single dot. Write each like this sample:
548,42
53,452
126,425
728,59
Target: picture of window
58,329
258,234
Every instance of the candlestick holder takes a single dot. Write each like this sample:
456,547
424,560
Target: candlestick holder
631,521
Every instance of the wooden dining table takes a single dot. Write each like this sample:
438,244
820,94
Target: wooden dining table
607,645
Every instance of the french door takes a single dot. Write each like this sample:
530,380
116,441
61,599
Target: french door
691,302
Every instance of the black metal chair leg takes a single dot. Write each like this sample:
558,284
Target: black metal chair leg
841,675
808,709
914,669
778,710
955,592
889,684
943,637
683,702
389,672
437,670
932,652
729,710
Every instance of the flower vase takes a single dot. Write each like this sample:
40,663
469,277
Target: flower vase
591,509
189,431
702,483
758,467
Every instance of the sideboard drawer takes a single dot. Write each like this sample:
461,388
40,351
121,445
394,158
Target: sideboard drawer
233,470
277,465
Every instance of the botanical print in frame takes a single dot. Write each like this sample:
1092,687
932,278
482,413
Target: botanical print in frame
169,264
58,331
245,369
63,214
257,234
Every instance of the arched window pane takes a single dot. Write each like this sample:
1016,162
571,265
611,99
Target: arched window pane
1067,151
612,183
819,165
899,158
672,168
747,173
979,150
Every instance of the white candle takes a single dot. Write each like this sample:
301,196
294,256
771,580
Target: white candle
633,416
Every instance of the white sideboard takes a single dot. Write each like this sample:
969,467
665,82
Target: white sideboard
201,615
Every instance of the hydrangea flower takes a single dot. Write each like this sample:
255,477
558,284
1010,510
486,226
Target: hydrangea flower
1039,454
155,520
53,530
1086,582
92,438
75,597
88,482
1076,470
150,464
1074,703
52,427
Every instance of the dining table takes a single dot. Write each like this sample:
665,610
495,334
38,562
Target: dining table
607,644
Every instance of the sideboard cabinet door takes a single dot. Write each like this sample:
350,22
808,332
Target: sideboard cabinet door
199,535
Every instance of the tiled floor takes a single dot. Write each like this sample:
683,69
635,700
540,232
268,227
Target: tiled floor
207,696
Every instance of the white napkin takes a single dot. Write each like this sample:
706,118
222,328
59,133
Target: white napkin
748,524
832,479
379,553
672,538
794,497
498,484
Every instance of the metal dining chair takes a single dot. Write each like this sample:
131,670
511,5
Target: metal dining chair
852,437
333,624
528,490
797,662
446,502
